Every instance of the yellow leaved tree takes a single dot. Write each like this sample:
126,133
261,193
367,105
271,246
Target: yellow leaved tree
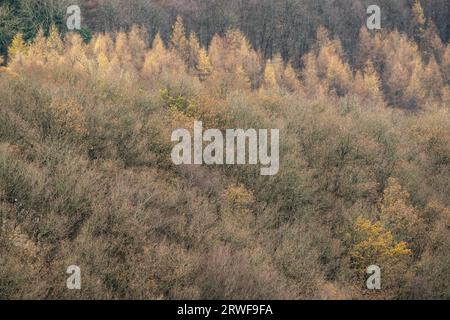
54,43
204,66
137,42
290,80
373,244
193,52
270,78
178,41
17,46
367,84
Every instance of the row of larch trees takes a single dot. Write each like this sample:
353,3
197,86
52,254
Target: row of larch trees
388,67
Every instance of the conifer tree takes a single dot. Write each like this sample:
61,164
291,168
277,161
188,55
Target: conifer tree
17,46
446,64
178,41
330,63
194,51
364,49
432,45
216,52
432,82
137,43
418,21
204,66
38,49
414,94
402,71
103,64
75,47
154,57
158,45
54,42
122,52
278,65
159,60
313,86
290,80
103,43
270,78
322,38
333,70
367,84
233,39
369,48
241,80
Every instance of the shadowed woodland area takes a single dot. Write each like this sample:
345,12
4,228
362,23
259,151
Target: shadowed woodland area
86,176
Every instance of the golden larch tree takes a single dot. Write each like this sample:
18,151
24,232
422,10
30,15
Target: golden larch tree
367,84
137,42
270,77
178,41
419,21
290,80
193,51
17,46
103,43
204,66
54,42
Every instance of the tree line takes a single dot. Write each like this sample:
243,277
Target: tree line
287,27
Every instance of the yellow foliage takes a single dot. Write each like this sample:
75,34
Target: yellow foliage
322,37
290,79
137,44
238,214
204,66
313,86
418,18
270,78
233,57
54,42
327,63
367,85
154,57
446,63
159,59
38,49
334,70
75,52
240,198
103,64
123,52
216,52
403,71
193,57
103,43
178,41
395,212
17,46
233,39
374,245
432,81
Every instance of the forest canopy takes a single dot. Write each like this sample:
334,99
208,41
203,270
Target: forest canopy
86,177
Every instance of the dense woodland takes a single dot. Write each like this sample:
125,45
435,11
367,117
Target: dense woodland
85,171
287,27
